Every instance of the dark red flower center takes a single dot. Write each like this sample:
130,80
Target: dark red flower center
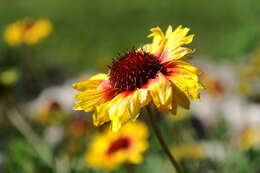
119,144
133,70
28,26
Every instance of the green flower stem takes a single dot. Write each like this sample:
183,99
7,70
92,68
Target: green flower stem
162,142
41,147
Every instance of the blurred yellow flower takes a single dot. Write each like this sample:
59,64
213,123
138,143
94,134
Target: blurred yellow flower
108,149
249,137
156,72
9,77
188,151
27,31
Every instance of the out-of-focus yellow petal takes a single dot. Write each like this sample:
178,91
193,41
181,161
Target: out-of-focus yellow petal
136,158
27,31
13,34
39,30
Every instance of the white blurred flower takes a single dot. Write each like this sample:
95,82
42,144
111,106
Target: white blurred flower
219,80
54,134
225,102
60,95
63,95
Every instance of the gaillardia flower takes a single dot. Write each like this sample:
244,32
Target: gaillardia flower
156,72
27,31
108,149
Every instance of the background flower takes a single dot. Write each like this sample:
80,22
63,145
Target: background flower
108,149
27,31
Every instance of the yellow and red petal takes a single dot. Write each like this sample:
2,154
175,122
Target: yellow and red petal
88,99
91,93
92,83
161,92
36,31
168,47
126,106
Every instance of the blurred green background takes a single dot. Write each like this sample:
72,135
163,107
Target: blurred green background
85,31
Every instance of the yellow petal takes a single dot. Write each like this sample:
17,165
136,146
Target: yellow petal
161,92
177,53
13,34
118,112
158,39
124,108
39,30
88,99
136,158
168,47
187,66
186,74
168,31
92,83
180,97
156,32
188,86
143,97
100,115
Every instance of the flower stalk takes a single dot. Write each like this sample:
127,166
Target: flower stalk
162,142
